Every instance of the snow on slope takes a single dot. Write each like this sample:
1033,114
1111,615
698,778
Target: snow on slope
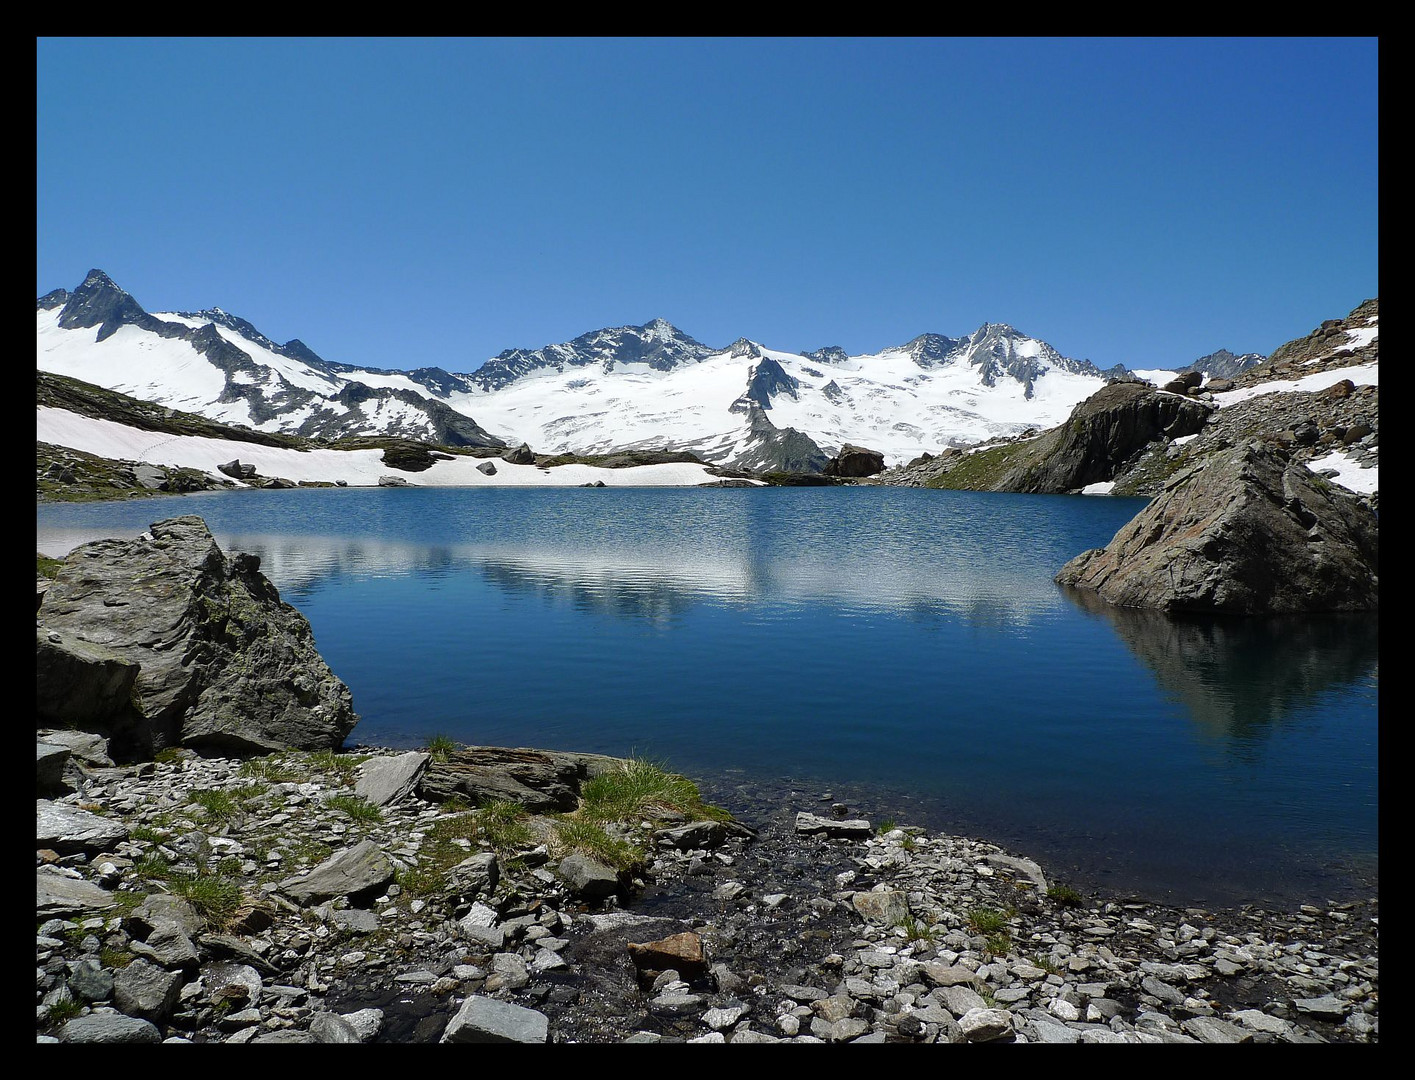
356,467
1359,374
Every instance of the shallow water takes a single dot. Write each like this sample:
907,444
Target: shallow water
903,649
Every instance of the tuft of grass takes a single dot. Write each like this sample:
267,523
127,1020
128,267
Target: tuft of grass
439,746
589,838
346,765
1046,963
214,897
999,944
168,755
146,832
1064,895
987,920
46,567
64,1010
219,805
272,769
115,958
503,824
358,809
153,867
244,793
888,825
641,788
916,929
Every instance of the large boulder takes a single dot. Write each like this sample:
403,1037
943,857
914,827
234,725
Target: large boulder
224,665
539,780
1103,432
520,456
80,683
855,461
1244,531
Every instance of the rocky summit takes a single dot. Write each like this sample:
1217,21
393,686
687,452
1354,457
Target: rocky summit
1243,531
163,641
217,900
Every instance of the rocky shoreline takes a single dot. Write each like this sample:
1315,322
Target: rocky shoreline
344,923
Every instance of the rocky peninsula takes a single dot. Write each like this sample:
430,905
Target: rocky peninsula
275,887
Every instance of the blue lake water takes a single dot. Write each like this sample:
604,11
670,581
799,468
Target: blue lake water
905,646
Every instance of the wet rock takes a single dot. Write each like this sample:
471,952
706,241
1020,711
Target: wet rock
812,825
482,1019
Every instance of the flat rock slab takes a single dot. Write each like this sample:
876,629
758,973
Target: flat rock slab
587,878
811,825
537,779
58,896
85,745
359,870
109,1028
387,780
487,1020
69,830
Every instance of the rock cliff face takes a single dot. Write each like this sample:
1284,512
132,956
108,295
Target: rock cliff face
223,665
1244,531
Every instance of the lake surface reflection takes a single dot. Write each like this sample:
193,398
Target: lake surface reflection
902,644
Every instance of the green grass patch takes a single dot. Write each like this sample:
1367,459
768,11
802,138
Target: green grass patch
115,958
888,825
168,755
145,832
46,567
356,808
980,470
64,1010
1064,895
439,746
640,788
219,805
590,838
916,929
212,896
999,944
152,867
987,920
273,769
503,824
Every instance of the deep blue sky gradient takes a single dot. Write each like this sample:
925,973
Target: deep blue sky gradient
399,203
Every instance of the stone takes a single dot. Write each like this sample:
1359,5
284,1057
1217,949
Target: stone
882,907
477,874
67,829
224,665
1260,1021
80,682
85,746
487,1020
1327,1007
236,470
1209,1030
940,974
49,766
539,780
235,984
169,946
384,781
487,468
1243,531
109,1028
682,952
332,1028
1044,1032
1026,867
722,1018
696,834
510,969
158,910
986,1025
393,481
145,990
287,1035
587,877
812,825
59,896
959,1000
361,870
89,982
355,920
855,461
366,1023
520,456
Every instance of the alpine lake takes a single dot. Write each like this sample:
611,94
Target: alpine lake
902,650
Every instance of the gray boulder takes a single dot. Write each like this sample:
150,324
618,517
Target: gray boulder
87,747
587,878
1243,531
384,780
358,871
855,461
487,1020
145,990
79,682
68,830
109,1028
236,470
393,481
223,665
487,468
520,456
49,766
537,779
333,1028
58,896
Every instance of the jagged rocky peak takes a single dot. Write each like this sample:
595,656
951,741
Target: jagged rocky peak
1224,364
929,350
658,343
831,354
744,347
52,299
766,379
99,302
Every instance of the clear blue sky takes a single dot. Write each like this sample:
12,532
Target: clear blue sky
399,203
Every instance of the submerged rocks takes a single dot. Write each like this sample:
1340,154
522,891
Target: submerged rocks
1244,531
222,664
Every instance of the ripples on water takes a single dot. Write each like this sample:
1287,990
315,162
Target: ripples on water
906,640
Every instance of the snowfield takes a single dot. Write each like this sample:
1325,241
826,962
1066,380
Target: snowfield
358,468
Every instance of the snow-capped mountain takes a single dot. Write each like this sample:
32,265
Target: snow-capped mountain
629,387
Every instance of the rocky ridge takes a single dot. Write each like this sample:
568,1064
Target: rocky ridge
818,928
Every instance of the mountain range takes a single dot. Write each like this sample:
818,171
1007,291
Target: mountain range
614,389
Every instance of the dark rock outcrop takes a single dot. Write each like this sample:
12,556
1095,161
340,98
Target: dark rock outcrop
1103,432
223,664
1243,531
80,683
522,455
537,779
855,461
